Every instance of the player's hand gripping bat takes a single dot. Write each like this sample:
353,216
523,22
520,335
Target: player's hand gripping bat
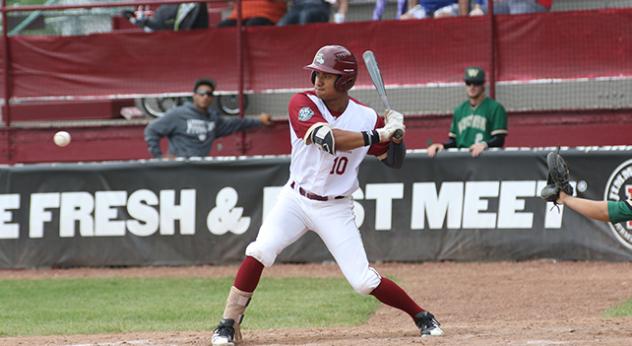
376,78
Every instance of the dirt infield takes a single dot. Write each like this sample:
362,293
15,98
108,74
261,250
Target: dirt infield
525,303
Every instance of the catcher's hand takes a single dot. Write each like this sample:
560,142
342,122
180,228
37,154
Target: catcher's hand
557,180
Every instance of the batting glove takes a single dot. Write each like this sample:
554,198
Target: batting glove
394,117
387,131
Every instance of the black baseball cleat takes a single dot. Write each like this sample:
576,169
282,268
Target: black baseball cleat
428,324
224,334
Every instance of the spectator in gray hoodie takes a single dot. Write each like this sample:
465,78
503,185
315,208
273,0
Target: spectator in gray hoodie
192,127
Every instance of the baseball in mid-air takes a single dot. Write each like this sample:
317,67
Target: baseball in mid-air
62,138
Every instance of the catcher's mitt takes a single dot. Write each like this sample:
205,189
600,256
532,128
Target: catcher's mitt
557,180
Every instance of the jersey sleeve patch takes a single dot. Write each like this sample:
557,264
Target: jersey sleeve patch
303,113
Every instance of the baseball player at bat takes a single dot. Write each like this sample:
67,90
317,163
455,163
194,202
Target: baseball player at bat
331,133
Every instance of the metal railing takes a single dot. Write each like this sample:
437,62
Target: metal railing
49,6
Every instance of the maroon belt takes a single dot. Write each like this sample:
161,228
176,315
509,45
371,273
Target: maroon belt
313,196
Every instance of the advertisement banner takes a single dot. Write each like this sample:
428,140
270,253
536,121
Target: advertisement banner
452,207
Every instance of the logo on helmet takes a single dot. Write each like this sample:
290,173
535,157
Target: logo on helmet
319,59
619,188
338,60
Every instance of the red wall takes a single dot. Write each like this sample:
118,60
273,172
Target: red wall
554,45
126,142
539,46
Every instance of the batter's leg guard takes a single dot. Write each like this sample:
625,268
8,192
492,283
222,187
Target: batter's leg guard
236,304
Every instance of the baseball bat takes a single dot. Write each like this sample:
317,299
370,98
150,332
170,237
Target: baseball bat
376,78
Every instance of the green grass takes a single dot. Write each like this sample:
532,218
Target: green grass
25,2
114,305
623,310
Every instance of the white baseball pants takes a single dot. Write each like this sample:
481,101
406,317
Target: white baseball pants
334,222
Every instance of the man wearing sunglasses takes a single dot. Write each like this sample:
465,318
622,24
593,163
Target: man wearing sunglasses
478,123
191,128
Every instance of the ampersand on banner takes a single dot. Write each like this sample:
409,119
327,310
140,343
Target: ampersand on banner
225,217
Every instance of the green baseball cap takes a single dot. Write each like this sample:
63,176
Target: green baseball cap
474,74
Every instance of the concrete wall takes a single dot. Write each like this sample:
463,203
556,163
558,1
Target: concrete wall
547,96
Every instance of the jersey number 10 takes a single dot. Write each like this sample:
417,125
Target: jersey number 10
339,166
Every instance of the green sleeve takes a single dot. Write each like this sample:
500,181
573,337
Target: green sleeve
454,131
620,211
499,120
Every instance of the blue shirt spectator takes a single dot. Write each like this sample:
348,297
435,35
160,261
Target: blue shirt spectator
512,6
380,5
431,6
434,8
314,11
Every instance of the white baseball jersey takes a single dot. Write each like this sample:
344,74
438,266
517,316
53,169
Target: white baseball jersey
326,175
320,172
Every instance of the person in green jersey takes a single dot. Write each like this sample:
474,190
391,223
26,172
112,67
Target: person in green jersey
478,123
608,211
559,191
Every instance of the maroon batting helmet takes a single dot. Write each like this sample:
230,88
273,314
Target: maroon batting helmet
336,60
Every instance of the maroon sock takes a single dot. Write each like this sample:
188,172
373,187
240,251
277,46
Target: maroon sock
248,275
390,294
